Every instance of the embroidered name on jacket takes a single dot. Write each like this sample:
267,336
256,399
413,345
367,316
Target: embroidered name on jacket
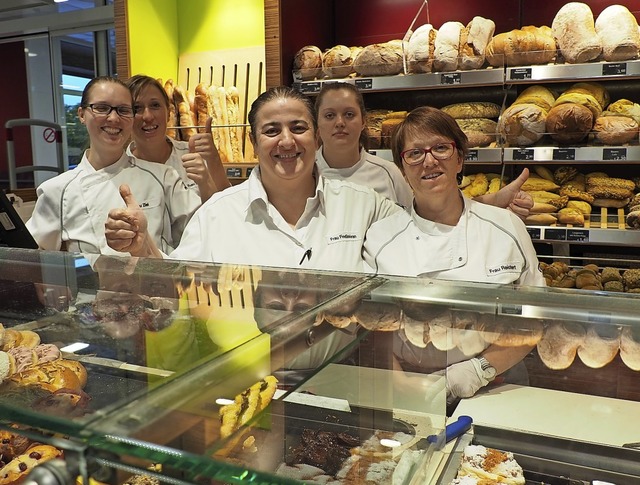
343,236
504,268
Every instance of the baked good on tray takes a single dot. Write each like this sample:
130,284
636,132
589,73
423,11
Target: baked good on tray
488,466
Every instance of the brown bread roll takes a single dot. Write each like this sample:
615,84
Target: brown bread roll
420,49
615,130
569,215
519,333
481,132
338,61
569,123
540,219
380,59
523,124
447,47
521,47
307,62
617,30
379,316
575,33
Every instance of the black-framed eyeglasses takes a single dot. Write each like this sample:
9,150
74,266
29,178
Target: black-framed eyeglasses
102,109
440,151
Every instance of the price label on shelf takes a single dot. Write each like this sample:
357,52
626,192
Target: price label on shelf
564,153
523,154
472,156
614,154
615,69
234,172
555,234
451,78
534,233
578,235
520,74
506,309
308,88
249,170
364,84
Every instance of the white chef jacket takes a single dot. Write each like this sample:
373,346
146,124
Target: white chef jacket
240,226
178,148
489,244
72,207
381,175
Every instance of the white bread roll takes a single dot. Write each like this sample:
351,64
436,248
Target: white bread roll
615,130
307,62
379,59
575,33
338,61
416,331
559,343
523,124
440,331
420,49
630,348
617,30
600,345
447,47
473,43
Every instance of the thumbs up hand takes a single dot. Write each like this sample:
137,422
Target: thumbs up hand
126,228
204,165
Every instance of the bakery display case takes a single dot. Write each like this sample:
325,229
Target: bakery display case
136,370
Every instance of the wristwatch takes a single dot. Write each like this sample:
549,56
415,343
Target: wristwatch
489,372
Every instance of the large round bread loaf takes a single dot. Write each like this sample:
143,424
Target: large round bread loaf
420,49
539,95
575,33
521,47
338,61
447,47
481,132
380,59
523,124
617,30
615,130
569,123
307,62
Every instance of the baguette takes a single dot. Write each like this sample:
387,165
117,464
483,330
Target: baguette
223,117
201,108
183,113
235,132
172,122
213,105
541,219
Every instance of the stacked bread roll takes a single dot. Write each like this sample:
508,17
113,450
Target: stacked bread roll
477,121
524,122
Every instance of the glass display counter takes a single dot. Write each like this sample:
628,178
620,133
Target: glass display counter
139,371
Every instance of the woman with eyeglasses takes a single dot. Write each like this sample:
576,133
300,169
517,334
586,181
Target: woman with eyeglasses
197,161
450,237
72,208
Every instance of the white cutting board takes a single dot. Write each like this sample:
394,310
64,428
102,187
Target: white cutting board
556,413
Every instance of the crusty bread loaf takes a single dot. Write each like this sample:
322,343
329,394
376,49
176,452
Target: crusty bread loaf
521,47
523,124
307,62
481,132
379,59
472,109
624,107
447,46
473,43
615,130
420,49
575,33
539,95
617,30
569,123
338,61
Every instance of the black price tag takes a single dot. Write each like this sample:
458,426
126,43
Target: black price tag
615,69
472,156
614,154
556,234
511,309
534,233
249,170
564,153
451,78
310,87
579,235
521,73
234,172
523,154
364,84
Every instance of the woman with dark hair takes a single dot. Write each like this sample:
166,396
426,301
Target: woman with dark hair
197,161
72,207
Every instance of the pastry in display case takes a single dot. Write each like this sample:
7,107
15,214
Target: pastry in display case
201,373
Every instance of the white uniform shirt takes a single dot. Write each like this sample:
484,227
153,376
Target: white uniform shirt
72,208
381,175
239,226
488,244
178,148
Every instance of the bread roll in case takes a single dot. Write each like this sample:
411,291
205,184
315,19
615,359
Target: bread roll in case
420,49
307,63
384,59
523,124
615,130
447,47
600,345
575,33
473,43
569,123
617,30
338,61
522,47
630,347
559,344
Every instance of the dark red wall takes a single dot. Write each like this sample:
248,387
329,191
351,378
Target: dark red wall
15,104
326,23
